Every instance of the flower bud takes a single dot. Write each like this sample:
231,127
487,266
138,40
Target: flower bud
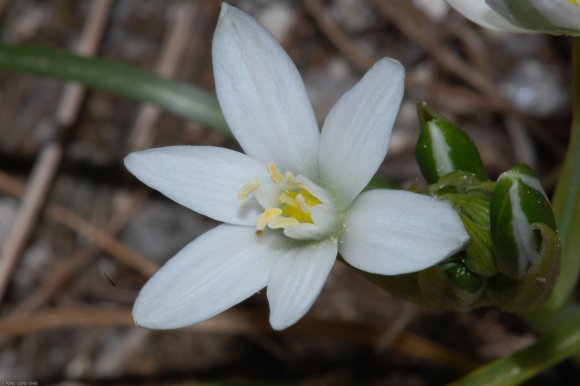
518,207
535,287
442,148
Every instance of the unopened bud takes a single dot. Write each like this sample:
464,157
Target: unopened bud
442,148
518,202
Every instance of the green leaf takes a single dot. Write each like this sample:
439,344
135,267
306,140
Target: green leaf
181,99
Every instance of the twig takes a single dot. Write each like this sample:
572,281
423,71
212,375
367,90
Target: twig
63,272
100,238
361,59
142,134
54,280
237,321
50,155
522,144
35,196
441,55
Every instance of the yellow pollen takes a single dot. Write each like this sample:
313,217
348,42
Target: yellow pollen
275,173
248,189
574,2
265,217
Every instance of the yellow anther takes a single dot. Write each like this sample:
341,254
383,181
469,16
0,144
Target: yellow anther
248,189
281,222
291,180
265,217
275,173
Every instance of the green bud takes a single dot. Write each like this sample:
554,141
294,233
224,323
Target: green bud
517,204
534,288
442,148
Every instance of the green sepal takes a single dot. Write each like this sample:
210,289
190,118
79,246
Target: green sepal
518,201
534,289
451,286
470,198
443,148
403,286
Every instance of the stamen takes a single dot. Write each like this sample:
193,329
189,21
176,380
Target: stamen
275,173
291,180
265,217
281,222
248,189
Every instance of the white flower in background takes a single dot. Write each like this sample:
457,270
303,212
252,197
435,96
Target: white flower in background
549,16
294,199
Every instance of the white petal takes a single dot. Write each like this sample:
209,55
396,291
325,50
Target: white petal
211,274
561,13
479,12
203,178
262,95
356,133
297,279
392,232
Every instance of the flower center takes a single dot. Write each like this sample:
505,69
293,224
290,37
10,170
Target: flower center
292,203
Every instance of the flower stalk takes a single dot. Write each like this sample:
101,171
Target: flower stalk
566,201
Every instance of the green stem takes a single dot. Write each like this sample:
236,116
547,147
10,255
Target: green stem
552,348
184,100
566,202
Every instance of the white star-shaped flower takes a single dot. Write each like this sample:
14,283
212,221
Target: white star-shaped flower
294,200
551,16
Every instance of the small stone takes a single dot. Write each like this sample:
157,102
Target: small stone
535,87
326,84
278,18
436,9
162,228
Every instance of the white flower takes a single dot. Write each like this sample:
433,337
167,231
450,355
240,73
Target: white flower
294,199
550,16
